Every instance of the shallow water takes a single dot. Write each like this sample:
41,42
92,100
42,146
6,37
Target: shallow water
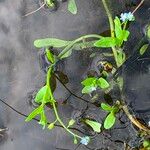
21,74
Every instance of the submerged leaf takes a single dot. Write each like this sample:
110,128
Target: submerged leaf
143,49
109,121
63,77
40,43
72,7
96,126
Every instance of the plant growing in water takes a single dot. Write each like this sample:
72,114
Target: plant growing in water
119,35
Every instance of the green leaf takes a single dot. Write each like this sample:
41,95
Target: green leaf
40,43
106,42
96,126
34,113
43,121
89,81
125,35
120,57
50,56
143,49
102,83
72,7
71,123
40,95
43,95
118,28
88,89
109,121
106,107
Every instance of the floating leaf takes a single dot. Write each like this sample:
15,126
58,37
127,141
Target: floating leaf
96,126
143,49
89,81
106,42
109,121
72,7
40,43
106,107
88,89
34,113
102,83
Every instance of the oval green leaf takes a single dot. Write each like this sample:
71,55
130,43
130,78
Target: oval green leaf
40,43
109,121
102,83
106,107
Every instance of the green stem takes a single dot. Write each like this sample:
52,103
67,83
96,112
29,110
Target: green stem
59,120
54,105
112,28
78,40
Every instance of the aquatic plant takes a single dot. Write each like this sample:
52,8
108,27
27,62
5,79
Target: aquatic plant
119,35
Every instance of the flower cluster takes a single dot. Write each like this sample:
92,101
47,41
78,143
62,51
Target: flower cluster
85,140
127,17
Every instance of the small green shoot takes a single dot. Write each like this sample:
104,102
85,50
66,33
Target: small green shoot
91,84
111,117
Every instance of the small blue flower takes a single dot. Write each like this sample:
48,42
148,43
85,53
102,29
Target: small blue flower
85,140
127,17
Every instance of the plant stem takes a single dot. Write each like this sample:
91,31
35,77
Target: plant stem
66,49
54,105
59,120
134,120
112,28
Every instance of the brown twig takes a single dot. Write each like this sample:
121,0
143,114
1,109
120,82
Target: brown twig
138,6
134,120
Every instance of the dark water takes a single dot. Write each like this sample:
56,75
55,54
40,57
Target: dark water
21,75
